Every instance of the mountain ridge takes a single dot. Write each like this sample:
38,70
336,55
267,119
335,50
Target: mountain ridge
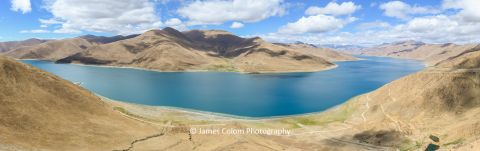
431,54
198,50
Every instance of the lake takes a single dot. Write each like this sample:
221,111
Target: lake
248,95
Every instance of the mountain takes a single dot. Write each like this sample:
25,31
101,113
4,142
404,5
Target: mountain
171,50
40,111
442,102
57,49
327,53
431,54
341,47
9,45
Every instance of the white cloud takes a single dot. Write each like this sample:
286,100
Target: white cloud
34,31
173,22
430,29
176,23
315,24
21,5
333,8
401,10
112,16
236,25
220,11
469,8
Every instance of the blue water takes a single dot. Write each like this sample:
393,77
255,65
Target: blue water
251,95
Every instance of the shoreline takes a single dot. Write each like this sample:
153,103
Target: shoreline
154,70
219,116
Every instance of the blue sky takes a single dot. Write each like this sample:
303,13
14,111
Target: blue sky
358,22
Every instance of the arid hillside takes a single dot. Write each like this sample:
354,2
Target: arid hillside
41,111
200,50
441,102
430,53
56,49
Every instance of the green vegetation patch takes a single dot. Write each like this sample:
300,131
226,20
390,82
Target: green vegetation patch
126,112
223,68
410,146
339,115
455,142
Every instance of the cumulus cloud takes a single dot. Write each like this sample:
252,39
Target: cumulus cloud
23,6
236,25
430,29
220,11
401,10
315,24
176,23
333,8
34,31
322,19
469,9
112,16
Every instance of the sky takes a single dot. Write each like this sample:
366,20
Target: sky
340,22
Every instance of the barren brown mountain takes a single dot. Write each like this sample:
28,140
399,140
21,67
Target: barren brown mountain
430,53
57,49
9,45
41,111
171,50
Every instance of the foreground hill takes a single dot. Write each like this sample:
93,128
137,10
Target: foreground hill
441,102
41,111
171,50
9,45
57,49
430,53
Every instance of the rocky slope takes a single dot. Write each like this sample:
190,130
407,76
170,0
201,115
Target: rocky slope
430,53
57,49
41,111
9,45
171,50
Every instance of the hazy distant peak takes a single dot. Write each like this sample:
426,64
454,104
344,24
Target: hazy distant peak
304,44
408,42
34,39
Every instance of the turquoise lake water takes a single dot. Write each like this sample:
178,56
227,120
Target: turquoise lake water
250,95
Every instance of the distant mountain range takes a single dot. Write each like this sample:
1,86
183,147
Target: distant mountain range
6,46
431,54
340,47
194,50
